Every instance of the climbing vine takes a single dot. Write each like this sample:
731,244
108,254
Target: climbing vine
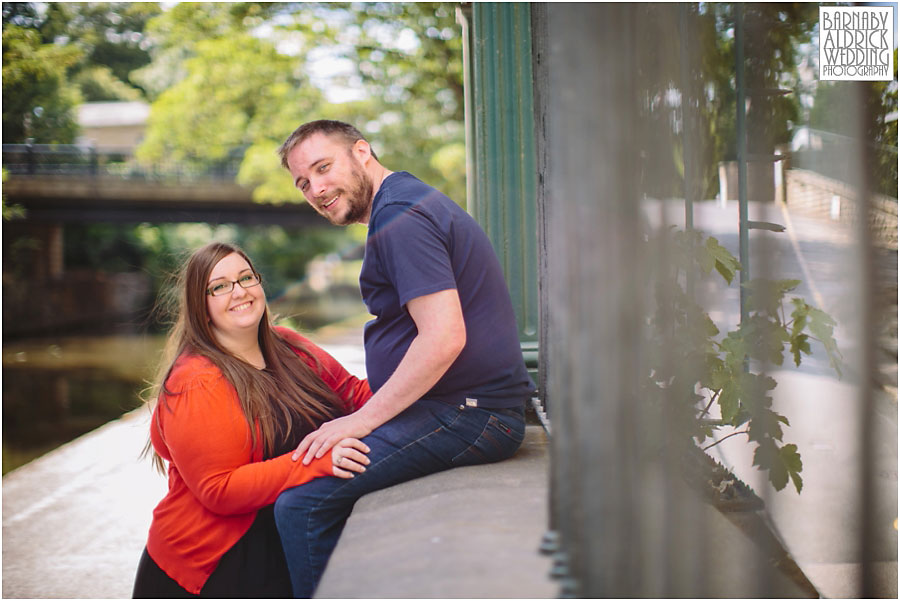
716,379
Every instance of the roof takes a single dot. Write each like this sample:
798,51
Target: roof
112,114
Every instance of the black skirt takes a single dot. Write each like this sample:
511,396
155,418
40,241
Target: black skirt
253,568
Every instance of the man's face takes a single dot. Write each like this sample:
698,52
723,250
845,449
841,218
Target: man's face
330,175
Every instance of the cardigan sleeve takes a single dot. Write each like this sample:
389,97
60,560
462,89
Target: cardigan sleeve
208,440
351,389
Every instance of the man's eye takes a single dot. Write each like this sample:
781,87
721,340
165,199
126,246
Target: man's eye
304,186
323,167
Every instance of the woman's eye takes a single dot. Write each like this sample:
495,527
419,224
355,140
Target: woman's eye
218,288
246,278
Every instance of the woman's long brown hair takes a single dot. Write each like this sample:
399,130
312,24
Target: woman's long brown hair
287,389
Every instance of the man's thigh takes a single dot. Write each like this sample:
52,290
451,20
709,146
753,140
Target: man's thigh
428,437
398,451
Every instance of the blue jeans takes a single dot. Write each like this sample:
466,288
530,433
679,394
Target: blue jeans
430,436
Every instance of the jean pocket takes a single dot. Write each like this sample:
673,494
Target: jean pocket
499,440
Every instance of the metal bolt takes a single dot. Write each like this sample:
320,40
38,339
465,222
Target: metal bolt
560,567
549,542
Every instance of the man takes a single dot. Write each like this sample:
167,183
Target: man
442,353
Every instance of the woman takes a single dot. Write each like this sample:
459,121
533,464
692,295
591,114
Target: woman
234,403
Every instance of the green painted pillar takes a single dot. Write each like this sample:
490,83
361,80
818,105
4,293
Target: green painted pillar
501,146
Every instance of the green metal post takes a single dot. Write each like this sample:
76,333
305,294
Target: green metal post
503,185
740,84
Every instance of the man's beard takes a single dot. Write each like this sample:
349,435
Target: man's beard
358,197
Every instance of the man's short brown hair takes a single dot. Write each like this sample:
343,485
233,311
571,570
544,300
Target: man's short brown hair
325,126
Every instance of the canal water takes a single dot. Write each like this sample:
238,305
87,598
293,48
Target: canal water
58,388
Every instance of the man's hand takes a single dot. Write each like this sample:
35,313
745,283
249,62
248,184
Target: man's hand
318,442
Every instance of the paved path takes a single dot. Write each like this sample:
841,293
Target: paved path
820,526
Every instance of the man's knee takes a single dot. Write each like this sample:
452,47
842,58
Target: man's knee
288,503
308,497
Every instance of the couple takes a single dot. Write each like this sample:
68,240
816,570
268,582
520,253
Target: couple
251,416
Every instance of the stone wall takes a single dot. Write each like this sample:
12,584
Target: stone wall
813,194
75,302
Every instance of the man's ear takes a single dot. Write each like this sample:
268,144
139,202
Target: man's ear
362,151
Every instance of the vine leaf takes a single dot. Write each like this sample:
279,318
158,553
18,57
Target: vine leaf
765,296
782,463
800,344
718,256
765,338
790,458
728,403
820,326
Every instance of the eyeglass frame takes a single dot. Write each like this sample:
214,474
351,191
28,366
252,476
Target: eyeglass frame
231,284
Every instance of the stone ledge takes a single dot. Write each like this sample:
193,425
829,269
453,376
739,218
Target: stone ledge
470,532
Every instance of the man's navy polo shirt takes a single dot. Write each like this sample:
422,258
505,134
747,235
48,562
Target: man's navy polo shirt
421,242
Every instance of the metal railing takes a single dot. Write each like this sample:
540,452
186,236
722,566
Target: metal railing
625,519
74,160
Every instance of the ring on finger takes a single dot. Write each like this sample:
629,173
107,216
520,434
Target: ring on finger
338,460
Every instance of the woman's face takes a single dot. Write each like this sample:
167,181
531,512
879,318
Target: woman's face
237,312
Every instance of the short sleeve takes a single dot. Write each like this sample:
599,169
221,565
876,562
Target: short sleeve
413,250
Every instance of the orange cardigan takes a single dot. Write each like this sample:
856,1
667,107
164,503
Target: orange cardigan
216,481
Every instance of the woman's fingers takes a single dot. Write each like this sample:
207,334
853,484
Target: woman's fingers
356,463
341,473
348,456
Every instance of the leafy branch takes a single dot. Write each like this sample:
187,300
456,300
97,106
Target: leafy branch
718,365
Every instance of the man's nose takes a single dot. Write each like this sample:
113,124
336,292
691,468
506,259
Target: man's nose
317,186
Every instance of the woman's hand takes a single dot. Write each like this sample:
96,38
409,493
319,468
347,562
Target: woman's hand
348,456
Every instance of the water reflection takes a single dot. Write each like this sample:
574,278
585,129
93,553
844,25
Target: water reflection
43,409
56,389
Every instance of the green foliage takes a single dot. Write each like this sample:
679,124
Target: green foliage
98,84
38,100
108,35
416,87
705,82
280,254
175,33
238,91
239,76
712,369
13,211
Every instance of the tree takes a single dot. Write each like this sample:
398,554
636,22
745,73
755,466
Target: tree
238,91
174,34
38,99
702,91
238,75
407,59
108,34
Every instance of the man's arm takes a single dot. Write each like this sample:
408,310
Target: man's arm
440,339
